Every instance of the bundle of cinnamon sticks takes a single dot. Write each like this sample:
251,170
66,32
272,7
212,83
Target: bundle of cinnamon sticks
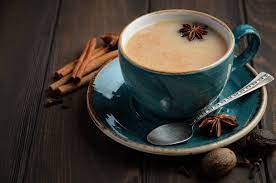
83,69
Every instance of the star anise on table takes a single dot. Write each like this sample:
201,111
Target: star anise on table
193,31
212,125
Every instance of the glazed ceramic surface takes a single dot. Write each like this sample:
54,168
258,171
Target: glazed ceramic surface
180,95
114,112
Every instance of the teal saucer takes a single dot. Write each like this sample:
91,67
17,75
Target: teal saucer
113,112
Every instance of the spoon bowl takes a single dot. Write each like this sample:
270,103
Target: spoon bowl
170,134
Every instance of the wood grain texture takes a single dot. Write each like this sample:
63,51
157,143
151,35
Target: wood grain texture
230,12
26,35
166,170
262,15
67,147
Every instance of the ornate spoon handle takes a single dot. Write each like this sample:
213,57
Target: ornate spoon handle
259,81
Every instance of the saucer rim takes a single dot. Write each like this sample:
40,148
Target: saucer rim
162,150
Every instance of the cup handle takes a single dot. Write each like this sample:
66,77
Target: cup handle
252,48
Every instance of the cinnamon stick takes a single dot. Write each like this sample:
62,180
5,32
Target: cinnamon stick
91,50
80,73
98,62
100,52
110,39
89,47
60,82
69,87
66,69
70,66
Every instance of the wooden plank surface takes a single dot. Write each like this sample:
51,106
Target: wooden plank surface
26,35
262,15
62,145
230,12
67,147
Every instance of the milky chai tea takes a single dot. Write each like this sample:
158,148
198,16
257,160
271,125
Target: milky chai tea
160,47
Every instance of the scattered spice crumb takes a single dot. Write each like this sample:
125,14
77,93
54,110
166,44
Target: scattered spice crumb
53,101
246,164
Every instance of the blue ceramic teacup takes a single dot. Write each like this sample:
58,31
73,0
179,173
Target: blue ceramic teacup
182,95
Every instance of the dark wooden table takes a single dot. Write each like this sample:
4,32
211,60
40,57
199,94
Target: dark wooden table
39,144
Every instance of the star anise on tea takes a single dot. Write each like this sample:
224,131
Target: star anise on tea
193,31
212,125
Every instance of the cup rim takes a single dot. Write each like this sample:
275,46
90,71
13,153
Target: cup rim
219,61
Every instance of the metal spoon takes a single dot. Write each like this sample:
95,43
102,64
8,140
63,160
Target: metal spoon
175,133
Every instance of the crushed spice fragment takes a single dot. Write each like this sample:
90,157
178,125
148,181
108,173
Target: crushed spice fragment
53,101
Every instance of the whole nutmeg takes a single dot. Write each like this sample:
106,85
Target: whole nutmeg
218,162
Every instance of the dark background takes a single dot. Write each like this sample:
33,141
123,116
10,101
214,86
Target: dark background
40,144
